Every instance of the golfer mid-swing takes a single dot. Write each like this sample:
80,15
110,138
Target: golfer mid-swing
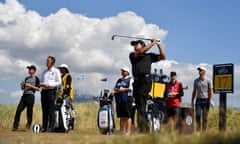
141,69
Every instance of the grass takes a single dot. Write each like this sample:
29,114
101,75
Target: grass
86,130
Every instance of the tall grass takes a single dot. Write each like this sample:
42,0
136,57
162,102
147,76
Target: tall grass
86,119
86,130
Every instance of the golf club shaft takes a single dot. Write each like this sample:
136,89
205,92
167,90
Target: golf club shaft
132,37
214,113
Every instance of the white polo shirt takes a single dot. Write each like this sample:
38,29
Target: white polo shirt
51,77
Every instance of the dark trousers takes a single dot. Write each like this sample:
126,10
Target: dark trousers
202,109
132,107
27,100
48,98
141,89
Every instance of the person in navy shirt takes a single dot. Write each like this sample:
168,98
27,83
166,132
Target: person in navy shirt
123,96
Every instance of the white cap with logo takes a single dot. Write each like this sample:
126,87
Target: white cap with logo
201,68
125,69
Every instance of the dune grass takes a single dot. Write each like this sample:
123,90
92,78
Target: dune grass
86,130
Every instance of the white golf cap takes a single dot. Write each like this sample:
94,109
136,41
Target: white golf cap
63,66
201,68
125,69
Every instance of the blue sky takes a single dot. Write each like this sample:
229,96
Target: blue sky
199,31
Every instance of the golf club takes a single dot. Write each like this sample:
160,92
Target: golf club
132,37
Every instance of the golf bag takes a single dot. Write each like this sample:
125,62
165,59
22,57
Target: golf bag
65,115
105,120
155,114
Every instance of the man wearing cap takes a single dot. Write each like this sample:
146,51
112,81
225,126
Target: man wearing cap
50,80
123,96
67,85
202,89
141,67
173,94
29,86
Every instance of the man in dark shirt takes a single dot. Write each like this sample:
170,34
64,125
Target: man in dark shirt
29,86
141,69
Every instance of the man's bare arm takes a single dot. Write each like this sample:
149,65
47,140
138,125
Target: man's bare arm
193,96
124,89
31,86
162,55
211,94
145,49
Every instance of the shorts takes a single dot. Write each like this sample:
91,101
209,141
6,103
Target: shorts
171,112
124,109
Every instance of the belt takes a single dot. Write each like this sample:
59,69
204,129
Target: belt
50,88
202,99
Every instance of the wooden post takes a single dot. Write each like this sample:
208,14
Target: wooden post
223,112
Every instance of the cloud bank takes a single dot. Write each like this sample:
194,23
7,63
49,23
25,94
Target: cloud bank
82,42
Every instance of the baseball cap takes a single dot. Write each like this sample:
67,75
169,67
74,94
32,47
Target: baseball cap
126,69
201,68
173,73
133,43
32,67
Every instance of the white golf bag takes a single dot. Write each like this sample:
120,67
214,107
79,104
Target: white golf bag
65,116
105,120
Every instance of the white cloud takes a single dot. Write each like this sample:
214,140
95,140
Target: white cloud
186,73
81,42
16,94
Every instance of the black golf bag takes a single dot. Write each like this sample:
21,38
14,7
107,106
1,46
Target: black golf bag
105,118
156,114
65,115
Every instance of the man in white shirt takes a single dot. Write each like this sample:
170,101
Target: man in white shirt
50,80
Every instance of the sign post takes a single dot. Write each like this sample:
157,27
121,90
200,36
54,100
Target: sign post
223,83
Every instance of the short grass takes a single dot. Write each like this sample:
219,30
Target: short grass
86,131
